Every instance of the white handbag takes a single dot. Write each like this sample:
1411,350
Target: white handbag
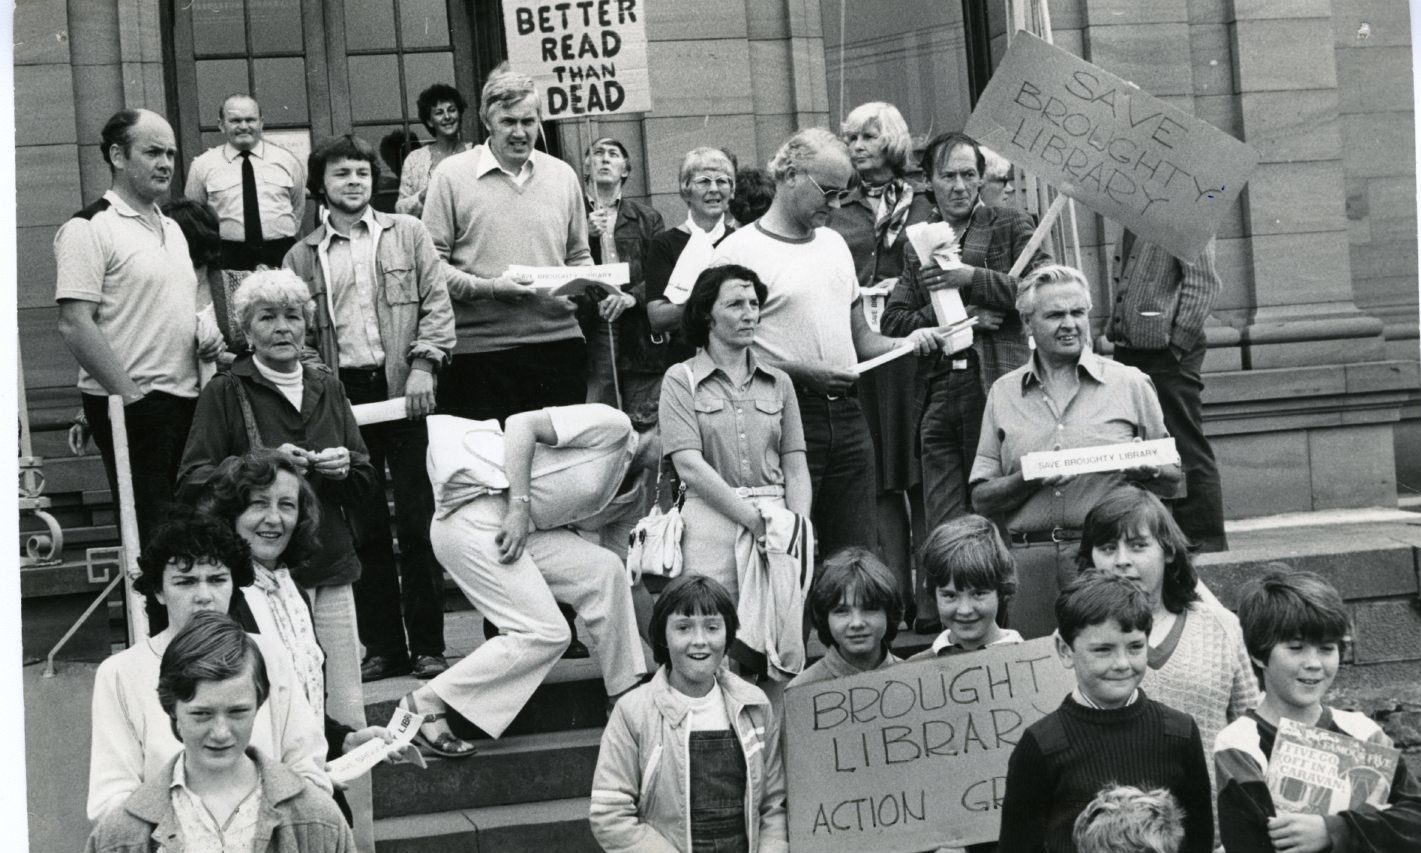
654,545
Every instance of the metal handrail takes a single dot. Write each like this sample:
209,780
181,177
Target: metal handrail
108,588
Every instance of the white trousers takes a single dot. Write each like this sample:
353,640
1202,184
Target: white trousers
493,683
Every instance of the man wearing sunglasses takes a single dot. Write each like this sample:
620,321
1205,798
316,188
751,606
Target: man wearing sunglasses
812,328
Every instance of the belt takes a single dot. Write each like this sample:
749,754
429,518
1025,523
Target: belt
760,491
1020,539
362,374
852,393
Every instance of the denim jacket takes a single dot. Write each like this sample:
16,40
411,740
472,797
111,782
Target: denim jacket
641,798
416,319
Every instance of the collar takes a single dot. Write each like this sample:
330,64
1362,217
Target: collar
590,198
1086,702
230,152
702,366
123,208
1090,363
717,231
738,696
152,802
374,220
485,162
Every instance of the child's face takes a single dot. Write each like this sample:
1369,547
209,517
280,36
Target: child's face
1299,672
205,585
216,726
1108,661
971,614
858,629
1138,556
696,644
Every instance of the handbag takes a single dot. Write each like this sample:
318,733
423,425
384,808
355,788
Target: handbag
654,545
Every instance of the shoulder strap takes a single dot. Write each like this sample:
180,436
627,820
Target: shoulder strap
254,436
1050,734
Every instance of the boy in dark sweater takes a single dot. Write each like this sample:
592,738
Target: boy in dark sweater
1294,625
1106,732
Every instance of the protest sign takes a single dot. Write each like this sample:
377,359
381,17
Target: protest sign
588,57
1119,151
914,756
1315,771
1105,457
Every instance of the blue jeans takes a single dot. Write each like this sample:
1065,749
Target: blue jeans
841,472
950,425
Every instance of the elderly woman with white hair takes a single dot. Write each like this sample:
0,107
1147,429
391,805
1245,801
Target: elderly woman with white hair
1064,397
270,398
874,221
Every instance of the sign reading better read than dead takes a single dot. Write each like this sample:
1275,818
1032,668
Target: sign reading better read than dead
914,756
588,57
1119,151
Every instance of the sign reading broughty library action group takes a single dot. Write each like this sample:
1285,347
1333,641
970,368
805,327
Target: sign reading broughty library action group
587,56
1117,150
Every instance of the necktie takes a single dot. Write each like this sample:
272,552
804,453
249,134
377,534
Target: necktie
251,213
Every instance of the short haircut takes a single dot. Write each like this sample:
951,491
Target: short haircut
801,148
998,167
1127,510
281,288
1096,597
1125,819
754,193
200,228
696,315
690,595
897,142
210,647
969,553
1043,277
505,88
347,146
186,539
940,148
703,159
433,97
222,107
1283,605
118,130
229,491
615,143
854,574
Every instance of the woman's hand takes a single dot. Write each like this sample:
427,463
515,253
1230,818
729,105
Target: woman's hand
512,534
332,463
300,457
403,755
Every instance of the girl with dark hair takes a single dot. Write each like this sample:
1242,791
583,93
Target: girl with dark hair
1198,662
691,761
855,606
730,425
441,109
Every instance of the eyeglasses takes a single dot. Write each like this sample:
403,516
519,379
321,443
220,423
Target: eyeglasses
705,184
833,196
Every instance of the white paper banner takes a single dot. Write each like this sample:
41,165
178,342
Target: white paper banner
1105,457
378,413
356,763
551,278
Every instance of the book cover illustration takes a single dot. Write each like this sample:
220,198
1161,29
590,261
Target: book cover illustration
1315,771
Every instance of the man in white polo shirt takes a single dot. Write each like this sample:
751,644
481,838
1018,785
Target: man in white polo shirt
812,328
127,310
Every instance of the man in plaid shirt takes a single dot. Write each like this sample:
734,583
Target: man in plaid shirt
1157,325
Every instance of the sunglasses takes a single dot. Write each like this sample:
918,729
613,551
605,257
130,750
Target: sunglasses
838,196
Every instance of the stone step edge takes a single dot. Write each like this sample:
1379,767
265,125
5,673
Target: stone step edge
435,824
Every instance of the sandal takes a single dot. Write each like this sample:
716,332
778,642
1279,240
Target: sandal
446,744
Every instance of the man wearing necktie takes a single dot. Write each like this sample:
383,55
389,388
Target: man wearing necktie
256,188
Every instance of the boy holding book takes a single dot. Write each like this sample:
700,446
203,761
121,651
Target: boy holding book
1295,625
1106,732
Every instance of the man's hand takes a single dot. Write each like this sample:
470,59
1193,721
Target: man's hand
611,308
925,341
211,348
823,379
988,319
419,394
1298,833
511,288
1055,480
934,277
333,463
300,457
512,534
604,219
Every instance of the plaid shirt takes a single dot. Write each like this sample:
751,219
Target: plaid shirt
994,238
1161,301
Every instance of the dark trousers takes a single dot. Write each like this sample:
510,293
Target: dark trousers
418,588
494,385
1200,512
237,255
841,472
157,429
950,425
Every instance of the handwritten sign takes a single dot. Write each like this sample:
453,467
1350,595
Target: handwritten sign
1119,151
914,756
1106,457
588,57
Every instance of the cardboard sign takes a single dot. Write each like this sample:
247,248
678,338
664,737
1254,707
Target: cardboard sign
587,57
913,757
1119,151
1106,457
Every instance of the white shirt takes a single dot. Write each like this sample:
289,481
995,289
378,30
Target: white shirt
348,261
215,179
487,163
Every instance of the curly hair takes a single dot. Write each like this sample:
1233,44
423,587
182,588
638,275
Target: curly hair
897,142
200,228
1125,819
184,540
433,97
804,146
229,492
344,147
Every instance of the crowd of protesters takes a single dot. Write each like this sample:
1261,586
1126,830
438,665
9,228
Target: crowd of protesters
537,429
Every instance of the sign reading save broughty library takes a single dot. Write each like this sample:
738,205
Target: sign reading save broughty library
587,56
1116,149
